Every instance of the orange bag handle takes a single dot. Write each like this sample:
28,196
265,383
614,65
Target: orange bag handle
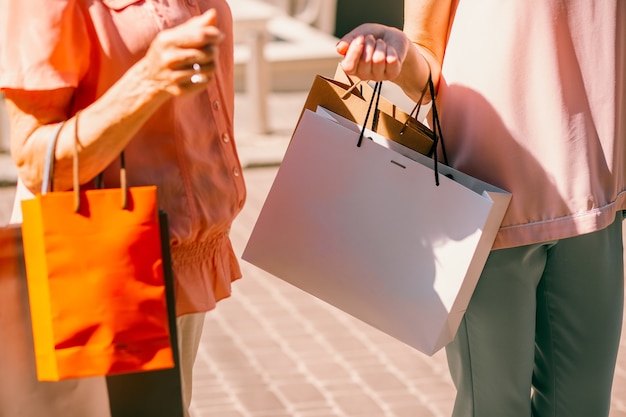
48,174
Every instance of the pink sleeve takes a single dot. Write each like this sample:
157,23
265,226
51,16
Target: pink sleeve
44,44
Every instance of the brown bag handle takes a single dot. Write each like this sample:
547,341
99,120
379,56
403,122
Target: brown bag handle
436,128
437,134
48,174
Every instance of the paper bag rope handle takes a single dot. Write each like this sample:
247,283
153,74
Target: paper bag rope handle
415,111
48,174
437,134
375,97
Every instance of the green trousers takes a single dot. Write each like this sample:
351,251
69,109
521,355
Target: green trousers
541,334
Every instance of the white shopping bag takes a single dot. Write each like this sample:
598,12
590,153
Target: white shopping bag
367,230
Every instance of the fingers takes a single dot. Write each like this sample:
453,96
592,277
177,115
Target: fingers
359,32
195,33
370,59
379,59
352,55
202,73
373,52
208,18
196,75
184,58
196,42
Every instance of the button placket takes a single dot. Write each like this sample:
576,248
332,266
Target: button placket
230,156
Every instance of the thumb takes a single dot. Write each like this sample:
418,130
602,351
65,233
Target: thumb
208,18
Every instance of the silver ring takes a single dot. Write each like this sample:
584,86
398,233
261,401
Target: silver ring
199,79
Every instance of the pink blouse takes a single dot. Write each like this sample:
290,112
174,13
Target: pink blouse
186,148
533,100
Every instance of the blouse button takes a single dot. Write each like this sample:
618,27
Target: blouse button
191,2
226,138
236,172
216,103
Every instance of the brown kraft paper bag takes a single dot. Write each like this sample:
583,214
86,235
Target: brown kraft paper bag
350,98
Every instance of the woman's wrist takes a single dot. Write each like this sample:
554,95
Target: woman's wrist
415,73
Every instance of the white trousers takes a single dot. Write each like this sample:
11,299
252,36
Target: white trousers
189,335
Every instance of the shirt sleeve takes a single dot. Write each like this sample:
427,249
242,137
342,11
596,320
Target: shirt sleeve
44,44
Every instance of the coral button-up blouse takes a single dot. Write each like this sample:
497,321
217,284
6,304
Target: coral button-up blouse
186,148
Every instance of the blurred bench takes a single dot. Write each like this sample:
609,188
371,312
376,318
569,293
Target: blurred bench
276,50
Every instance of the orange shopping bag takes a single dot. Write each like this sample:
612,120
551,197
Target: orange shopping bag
95,280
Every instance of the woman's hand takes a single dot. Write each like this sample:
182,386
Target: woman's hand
110,122
183,59
374,52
